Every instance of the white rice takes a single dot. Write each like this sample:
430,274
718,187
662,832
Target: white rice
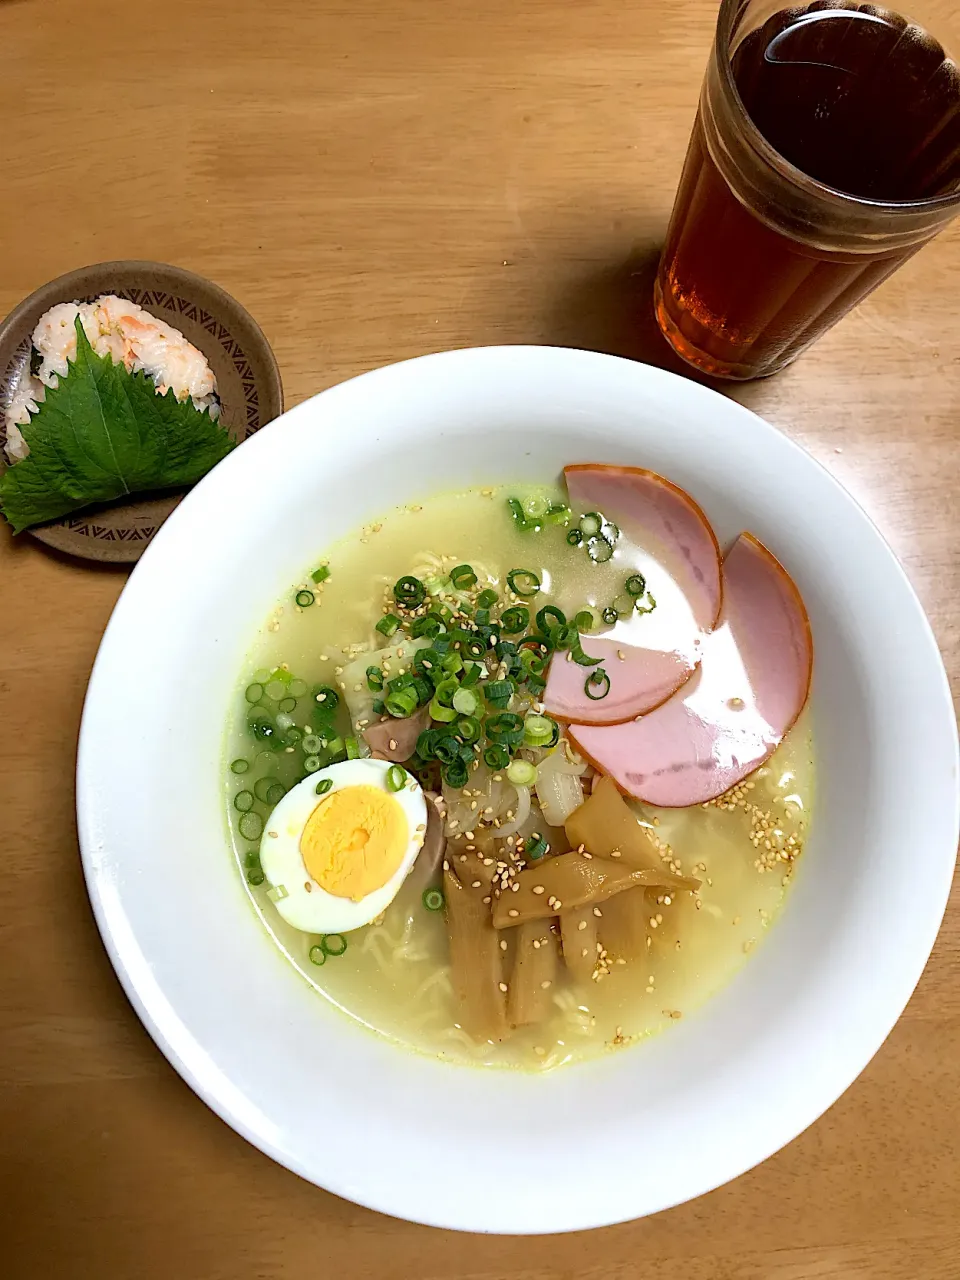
126,333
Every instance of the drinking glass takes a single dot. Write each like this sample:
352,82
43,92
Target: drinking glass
825,152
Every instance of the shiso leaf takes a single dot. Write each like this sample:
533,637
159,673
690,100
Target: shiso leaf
101,434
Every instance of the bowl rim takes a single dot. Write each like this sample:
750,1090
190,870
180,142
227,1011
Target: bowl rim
88,821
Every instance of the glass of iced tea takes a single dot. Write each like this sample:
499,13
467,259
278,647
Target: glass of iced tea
825,152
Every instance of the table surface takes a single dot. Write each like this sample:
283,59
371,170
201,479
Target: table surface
376,180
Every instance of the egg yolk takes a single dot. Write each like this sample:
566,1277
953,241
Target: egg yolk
354,841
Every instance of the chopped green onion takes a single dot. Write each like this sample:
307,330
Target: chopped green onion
264,730
321,574
636,585
396,778
469,729
250,826
463,577
649,608
304,599
429,625
432,899
540,731
536,847
441,705
496,757
597,681
610,531
323,786
455,774
276,688
425,661
519,515
275,793
253,692
487,599
326,697
610,614
557,513
261,787
583,659
563,637
401,704
588,619
374,679
317,954
591,524
255,877
243,801
311,764
334,944
536,506
466,702
515,620
445,747
505,728
251,859
574,537
239,766
409,591
600,550
297,688
550,615
311,744
387,626
287,705
353,748
482,617
498,693
451,663
523,582
471,674
521,773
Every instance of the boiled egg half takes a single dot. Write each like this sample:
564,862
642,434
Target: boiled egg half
336,859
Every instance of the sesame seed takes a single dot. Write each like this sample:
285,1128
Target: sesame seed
538,888
545,984
503,986
513,913
598,913
503,944
582,924
584,952
272,835
475,885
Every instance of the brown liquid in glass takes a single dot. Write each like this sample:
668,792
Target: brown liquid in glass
857,98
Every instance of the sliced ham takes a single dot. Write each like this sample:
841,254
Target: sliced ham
752,684
646,657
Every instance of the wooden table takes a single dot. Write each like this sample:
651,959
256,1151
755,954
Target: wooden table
375,180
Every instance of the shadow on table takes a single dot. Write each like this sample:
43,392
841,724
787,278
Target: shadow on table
610,309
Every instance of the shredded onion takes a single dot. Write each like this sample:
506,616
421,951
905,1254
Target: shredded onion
521,814
559,789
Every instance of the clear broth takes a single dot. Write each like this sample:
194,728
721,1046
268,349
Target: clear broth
394,978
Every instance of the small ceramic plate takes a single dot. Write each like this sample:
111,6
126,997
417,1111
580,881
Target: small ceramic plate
248,382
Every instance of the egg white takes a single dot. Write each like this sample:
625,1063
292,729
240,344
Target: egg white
314,910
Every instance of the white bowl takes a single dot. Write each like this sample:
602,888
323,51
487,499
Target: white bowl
640,1129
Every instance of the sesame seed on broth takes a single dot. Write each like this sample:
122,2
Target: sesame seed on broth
395,977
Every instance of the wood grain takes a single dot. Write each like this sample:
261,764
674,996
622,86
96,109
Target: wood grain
375,180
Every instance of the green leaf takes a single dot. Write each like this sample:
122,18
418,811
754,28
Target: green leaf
104,433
